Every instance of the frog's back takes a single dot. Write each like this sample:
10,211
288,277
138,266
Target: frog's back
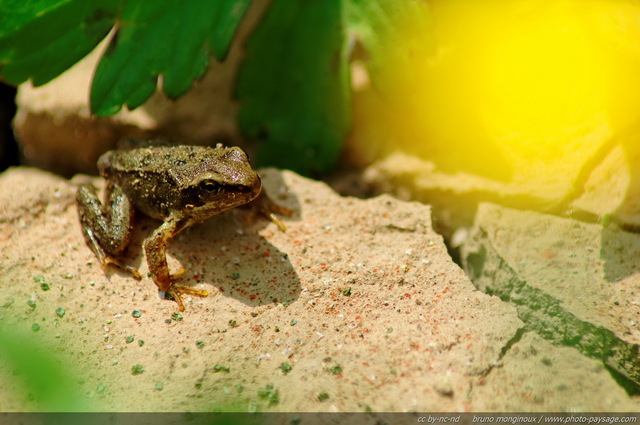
146,175
148,160
154,178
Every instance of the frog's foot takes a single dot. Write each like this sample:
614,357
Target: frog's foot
107,261
175,292
274,218
265,206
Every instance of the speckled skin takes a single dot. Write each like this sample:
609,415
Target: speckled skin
161,181
180,185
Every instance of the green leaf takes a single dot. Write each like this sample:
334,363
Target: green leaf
293,86
41,39
162,37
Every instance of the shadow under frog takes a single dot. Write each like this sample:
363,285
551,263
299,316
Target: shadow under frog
180,185
231,256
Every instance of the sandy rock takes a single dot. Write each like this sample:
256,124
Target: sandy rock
535,376
359,298
605,185
574,285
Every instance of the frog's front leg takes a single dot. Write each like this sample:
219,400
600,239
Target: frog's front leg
106,228
155,247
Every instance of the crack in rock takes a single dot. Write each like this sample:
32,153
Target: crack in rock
544,314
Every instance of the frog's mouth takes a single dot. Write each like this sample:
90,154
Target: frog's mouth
240,195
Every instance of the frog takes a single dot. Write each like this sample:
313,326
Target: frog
180,185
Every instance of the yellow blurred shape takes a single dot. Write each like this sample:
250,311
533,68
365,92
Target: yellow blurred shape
518,92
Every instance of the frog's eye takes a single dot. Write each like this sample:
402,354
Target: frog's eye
210,186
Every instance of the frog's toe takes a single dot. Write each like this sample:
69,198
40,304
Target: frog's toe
176,291
190,291
265,206
110,261
177,274
275,220
174,295
269,209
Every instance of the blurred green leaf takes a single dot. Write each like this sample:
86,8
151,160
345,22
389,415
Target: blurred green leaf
46,380
378,25
164,37
41,39
293,87
294,84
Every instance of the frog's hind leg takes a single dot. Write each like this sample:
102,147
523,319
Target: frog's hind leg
105,259
106,231
264,205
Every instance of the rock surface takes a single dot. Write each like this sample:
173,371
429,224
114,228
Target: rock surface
575,285
358,298
606,185
357,306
